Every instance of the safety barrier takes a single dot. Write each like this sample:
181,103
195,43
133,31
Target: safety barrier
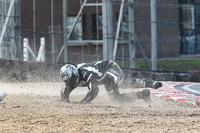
164,75
27,49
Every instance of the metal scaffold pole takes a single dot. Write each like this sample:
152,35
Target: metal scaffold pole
52,31
107,30
18,30
153,35
118,30
5,23
34,25
131,33
65,39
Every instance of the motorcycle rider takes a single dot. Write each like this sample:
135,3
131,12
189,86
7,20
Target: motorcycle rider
97,73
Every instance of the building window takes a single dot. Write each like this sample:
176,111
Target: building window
188,17
188,24
97,27
78,31
197,25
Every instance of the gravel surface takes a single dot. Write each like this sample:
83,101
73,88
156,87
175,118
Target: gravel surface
36,108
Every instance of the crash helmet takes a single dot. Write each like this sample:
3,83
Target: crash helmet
69,73
2,95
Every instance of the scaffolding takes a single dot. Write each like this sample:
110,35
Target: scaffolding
10,29
109,44
133,33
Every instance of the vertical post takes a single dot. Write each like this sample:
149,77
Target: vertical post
65,39
42,40
25,49
118,30
153,35
41,53
52,31
131,33
34,27
12,42
18,30
107,30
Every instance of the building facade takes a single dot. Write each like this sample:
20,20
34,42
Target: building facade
177,28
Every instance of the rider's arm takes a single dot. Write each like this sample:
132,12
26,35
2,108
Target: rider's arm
92,93
65,92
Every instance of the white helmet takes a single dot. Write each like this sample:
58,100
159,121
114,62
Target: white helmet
69,73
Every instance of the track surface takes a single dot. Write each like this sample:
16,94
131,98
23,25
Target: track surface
42,111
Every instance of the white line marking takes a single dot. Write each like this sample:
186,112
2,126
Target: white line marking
187,88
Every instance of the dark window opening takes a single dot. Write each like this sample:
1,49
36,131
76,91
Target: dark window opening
77,33
97,27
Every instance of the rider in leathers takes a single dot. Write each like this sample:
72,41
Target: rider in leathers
107,73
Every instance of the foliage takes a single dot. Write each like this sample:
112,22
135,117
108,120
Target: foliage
173,65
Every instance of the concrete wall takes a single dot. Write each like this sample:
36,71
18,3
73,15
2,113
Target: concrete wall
164,75
19,71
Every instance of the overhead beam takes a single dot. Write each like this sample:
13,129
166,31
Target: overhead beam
85,41
93,4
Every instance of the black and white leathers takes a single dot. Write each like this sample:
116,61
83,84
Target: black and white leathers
94,74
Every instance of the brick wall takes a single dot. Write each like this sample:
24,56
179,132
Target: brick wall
167,27
167,16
